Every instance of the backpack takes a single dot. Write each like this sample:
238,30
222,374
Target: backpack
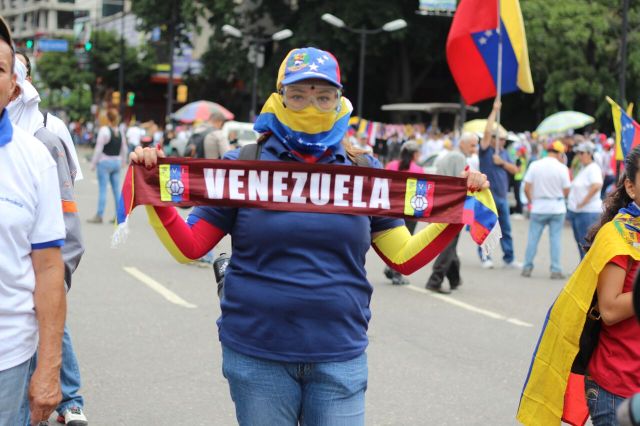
196,144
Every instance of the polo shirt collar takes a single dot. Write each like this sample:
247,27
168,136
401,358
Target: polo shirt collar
6,130
274,145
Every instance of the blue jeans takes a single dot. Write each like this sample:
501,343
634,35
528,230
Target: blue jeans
603,405
14,391
69,376
108,172
581,222
536,227
269,393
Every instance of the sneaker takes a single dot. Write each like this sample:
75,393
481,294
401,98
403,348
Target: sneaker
487,264
514,264
95,219
388,272
437,289
526,272
455,286
399,279
73,417
557,276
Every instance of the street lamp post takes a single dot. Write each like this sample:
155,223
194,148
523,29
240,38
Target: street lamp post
394,25
257,52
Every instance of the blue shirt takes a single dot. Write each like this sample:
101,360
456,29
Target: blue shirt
498,177
296,288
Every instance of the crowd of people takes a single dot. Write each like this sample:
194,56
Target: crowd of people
551,180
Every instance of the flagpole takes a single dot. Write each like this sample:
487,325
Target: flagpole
499,88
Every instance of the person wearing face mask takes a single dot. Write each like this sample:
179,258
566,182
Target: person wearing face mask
295,308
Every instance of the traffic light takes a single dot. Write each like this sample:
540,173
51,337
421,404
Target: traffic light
131,98
29,44
88,46
115,98
183,93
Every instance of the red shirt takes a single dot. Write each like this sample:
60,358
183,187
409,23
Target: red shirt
615,363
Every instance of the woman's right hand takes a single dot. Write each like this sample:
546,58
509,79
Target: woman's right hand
147,156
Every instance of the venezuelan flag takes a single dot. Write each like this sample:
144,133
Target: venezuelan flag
481,214
627,130
552,393
472,49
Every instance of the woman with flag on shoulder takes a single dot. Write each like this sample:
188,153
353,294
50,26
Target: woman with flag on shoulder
610,360
295,309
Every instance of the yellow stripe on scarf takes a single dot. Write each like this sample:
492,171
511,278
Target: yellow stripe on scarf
164,236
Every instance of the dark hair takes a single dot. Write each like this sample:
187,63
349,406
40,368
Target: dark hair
407,152
618,198
26,59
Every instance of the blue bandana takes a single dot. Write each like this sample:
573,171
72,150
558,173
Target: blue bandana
6,130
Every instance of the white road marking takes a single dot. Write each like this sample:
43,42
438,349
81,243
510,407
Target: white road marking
159,288
468,307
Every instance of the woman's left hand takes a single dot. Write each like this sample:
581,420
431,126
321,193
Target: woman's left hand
476,181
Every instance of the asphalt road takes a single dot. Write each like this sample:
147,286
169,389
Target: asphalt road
145,335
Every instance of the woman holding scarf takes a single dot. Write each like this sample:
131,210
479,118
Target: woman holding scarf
295,309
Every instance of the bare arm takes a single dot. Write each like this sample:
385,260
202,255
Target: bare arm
509,167
50,306
489,128
593,190
613,304
527,191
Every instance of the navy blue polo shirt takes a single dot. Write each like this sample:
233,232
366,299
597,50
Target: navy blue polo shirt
498,177
296,288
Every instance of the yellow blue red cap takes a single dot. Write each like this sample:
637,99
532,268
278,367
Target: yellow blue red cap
306,63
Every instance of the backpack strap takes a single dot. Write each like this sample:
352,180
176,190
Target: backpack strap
250,152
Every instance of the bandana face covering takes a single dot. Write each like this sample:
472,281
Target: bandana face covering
308,131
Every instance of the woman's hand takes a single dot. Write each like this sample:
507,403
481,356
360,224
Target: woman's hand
147,156
476,181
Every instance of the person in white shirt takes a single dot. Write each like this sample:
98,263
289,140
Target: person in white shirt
134,135
584,202
33,302
546,184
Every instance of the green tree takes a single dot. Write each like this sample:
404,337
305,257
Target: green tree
404,66
105,60
575,54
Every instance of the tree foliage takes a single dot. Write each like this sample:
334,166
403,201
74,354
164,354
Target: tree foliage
574,48
75,87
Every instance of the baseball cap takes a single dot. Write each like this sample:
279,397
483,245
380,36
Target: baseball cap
5,33
308,62
556,146
585,146
410,146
